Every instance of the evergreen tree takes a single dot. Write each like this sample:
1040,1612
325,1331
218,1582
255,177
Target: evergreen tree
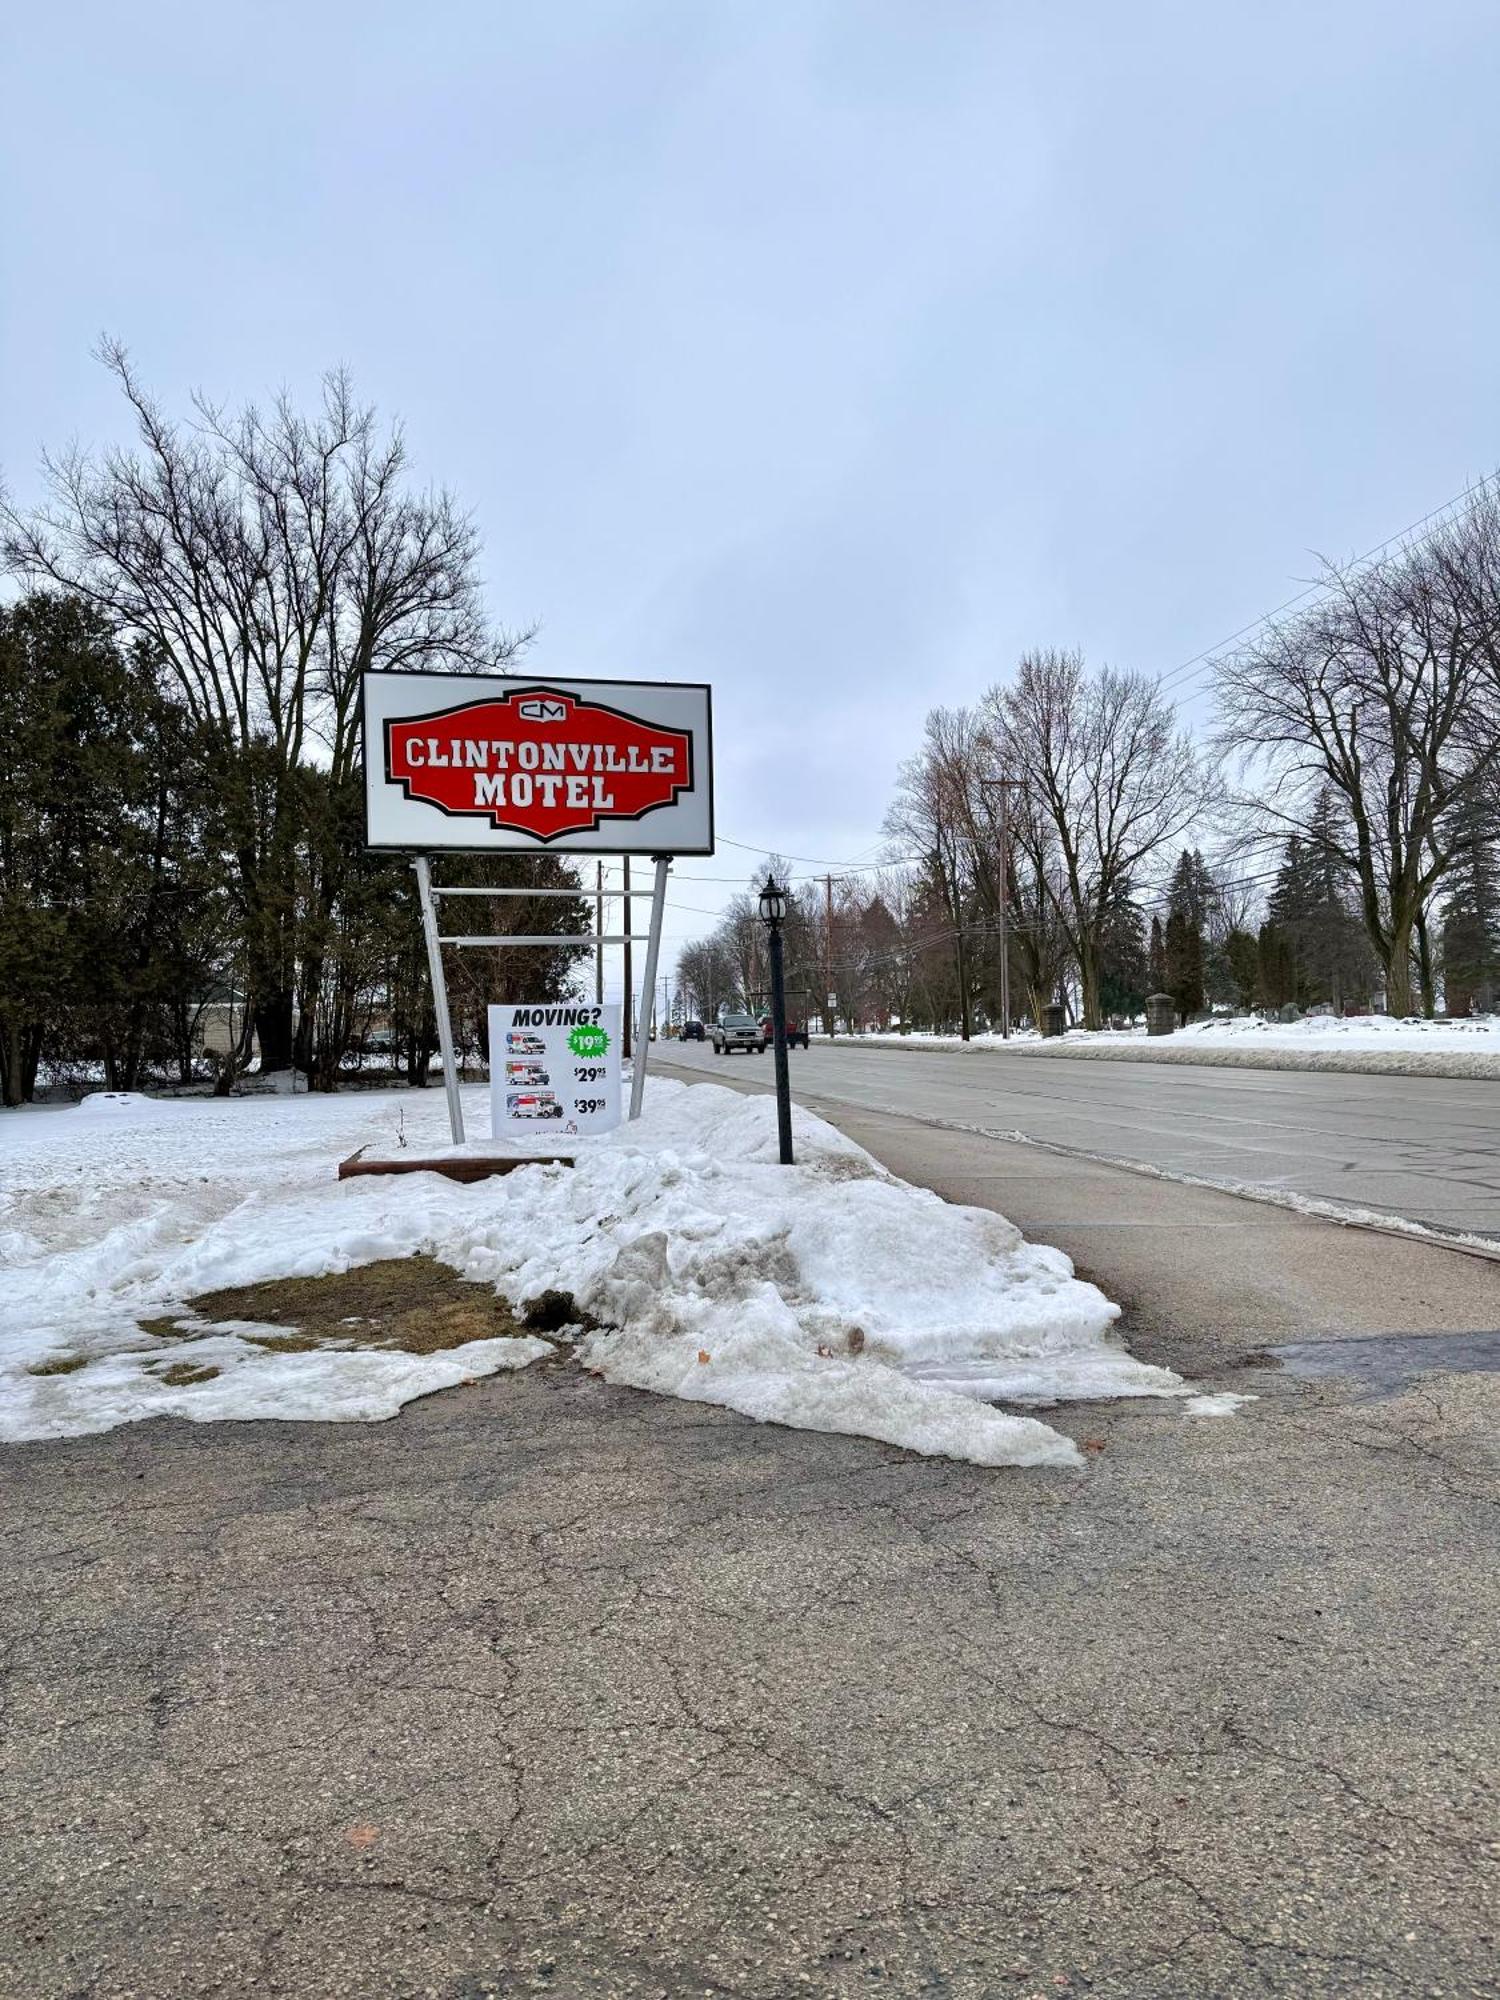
1322,941
1156,959
1471,921
1184,952
1276,967
1188,903
1242,963
1122,957
104,879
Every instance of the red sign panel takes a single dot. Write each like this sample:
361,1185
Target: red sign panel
538,761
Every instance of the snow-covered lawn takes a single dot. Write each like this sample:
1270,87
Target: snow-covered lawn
830,1296
1368,1033
1479,1034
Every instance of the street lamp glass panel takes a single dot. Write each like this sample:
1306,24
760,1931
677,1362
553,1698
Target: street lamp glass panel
772,902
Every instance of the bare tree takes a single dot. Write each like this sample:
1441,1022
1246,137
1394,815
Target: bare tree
1387,694
1109,783
267,560
932,815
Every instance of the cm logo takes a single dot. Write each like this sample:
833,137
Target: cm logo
543,711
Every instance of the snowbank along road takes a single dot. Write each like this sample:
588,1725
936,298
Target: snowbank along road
1422,1149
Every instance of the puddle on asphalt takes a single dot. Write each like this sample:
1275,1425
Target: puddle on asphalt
1385,1363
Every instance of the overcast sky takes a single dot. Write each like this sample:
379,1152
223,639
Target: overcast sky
830,353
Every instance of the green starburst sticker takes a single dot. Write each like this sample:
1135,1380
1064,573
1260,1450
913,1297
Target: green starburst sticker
587,1039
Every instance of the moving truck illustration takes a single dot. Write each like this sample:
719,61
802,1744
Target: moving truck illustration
526,1072
518,1043
532,1104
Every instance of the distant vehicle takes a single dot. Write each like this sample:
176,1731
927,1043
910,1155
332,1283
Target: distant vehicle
527,1072
796,1032
692,1031
738,1031
533,1104
521,1044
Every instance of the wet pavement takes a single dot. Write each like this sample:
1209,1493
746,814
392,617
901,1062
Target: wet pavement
1383,1364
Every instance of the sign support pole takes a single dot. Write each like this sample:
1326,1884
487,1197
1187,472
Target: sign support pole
440,997
648,987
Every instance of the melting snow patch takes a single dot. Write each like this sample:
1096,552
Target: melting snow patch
1222,1405
829,1296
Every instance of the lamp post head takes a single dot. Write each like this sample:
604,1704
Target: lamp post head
772,902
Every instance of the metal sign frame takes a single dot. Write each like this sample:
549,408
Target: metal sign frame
436,939
684,707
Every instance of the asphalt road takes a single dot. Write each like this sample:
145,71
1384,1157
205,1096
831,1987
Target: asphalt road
1421,1148
551,1688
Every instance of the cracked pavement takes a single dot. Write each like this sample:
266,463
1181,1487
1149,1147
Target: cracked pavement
546,1687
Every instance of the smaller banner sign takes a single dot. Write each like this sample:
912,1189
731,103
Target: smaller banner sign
554,1070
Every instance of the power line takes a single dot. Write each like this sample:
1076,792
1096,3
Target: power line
1314,589
820,861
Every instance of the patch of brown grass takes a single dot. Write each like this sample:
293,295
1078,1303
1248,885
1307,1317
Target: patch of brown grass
62,1364
182,1375
413,1304
168,1328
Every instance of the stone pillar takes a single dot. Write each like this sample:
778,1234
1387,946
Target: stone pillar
1161,1014
1052,1020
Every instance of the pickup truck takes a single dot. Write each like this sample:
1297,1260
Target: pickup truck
796,1031
738,1031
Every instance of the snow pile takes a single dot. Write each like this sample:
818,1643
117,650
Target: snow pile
1370,1045
828,1296
1475,1035
1479,1034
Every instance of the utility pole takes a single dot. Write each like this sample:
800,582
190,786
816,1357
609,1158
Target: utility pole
828,954
1004,927
629,969
599,934
1003,787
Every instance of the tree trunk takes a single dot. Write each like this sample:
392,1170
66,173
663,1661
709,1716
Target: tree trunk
1088,981
273,1030
12,1090
1424,966
1397,961
270,889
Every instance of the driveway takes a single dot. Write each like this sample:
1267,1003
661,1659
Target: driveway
546,1687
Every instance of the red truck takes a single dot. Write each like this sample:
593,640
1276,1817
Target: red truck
796,1032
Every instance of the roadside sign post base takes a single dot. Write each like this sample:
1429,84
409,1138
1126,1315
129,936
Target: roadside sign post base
440,998
648,985
437,938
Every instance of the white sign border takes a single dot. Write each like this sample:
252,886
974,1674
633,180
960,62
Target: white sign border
597,842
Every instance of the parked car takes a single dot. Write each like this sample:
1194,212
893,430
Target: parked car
692,1031
738,1031
796,1032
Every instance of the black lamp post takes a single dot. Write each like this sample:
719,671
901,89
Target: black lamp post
773,911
